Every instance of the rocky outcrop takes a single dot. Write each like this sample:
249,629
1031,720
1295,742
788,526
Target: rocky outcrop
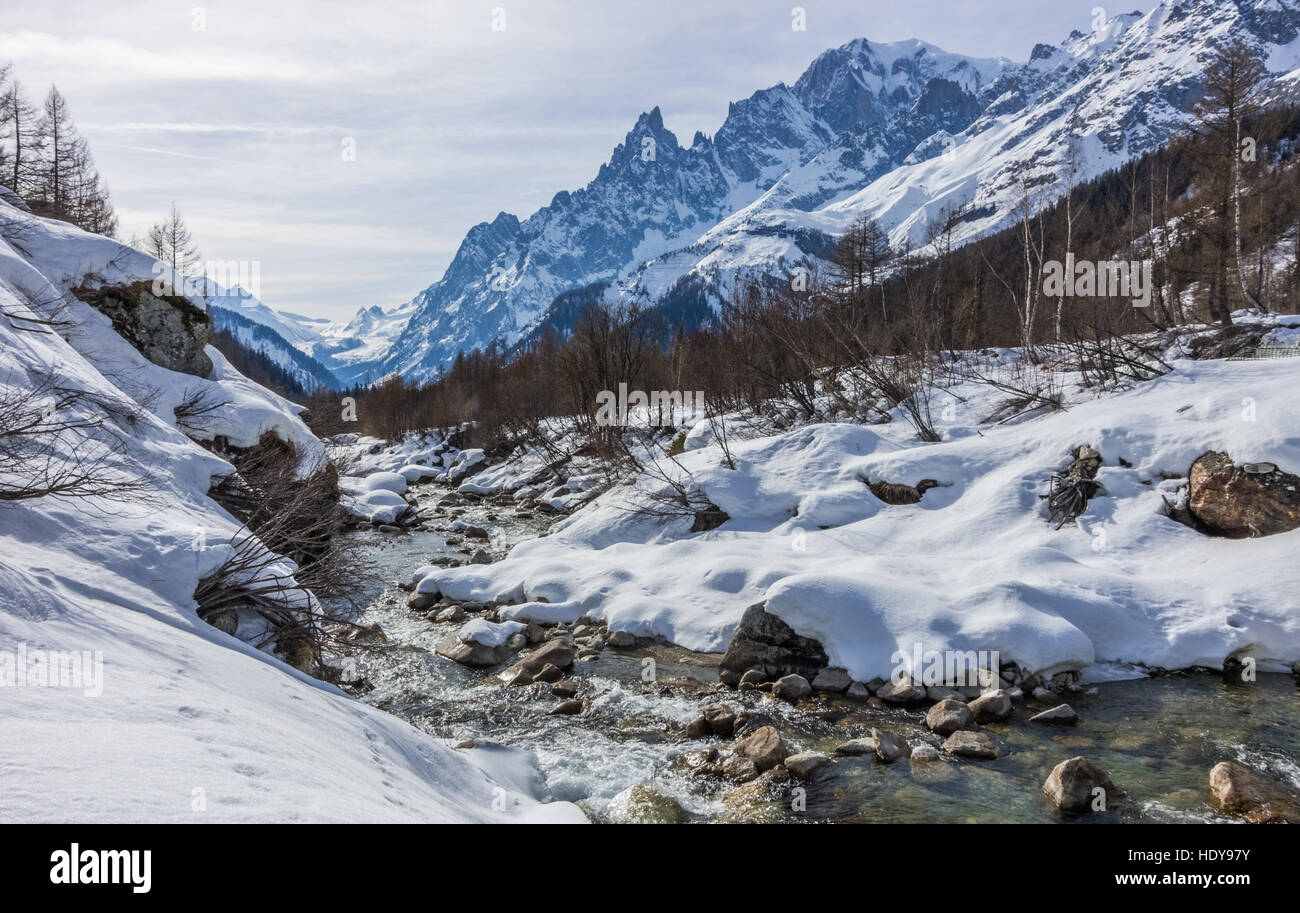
166,329
766,643
1242,502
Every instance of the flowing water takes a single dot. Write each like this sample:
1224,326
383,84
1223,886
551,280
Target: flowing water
1156,737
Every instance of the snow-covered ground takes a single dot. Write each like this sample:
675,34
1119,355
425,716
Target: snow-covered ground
975,565
181,722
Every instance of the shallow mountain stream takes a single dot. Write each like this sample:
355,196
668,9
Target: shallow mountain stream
627,758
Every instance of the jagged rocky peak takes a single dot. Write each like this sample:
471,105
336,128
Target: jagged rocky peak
793,165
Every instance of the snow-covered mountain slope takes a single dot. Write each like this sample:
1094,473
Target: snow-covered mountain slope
977,564
173,720
349,352
259,337
894,131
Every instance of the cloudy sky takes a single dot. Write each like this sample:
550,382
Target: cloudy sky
241,112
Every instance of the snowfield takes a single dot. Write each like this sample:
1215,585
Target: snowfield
189,724
975,565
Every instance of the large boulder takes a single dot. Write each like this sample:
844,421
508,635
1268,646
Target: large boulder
763,746
947,717
766,643
1072,785
1242,502
992,707
558,653
976,745
1238,790
792,688
902,691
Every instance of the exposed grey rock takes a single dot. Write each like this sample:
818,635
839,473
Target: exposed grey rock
938,693
792,688
1061,715
566,708
856,748
480,556
451,613
421,601
925,753
1071,785
1241,791
168,330
621,639
901,692
740,768
472,654
763,641
763,746
949,716
832,679
858,692
976,745
721,719
805,764
890,746
992,707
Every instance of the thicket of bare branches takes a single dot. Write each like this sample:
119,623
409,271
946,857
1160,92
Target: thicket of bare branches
58,440
289,513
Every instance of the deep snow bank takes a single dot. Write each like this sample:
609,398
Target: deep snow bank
975,565
188,724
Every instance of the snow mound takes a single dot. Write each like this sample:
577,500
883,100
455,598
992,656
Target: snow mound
975,565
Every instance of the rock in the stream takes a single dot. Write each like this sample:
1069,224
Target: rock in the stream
832,678
792,688
556,652
740,768
480,556
1072,786
1238,790
764,642
856,748
1060,715
565,688
976,745
1241,502
763,746
478,643
646,804
858,692
421,601
721,720
890,747
925,754
804,765
567,708
992,707
549,673
949,716
451,613
621,640
901,692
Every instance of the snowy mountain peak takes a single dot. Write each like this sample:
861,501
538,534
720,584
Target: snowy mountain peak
895,131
